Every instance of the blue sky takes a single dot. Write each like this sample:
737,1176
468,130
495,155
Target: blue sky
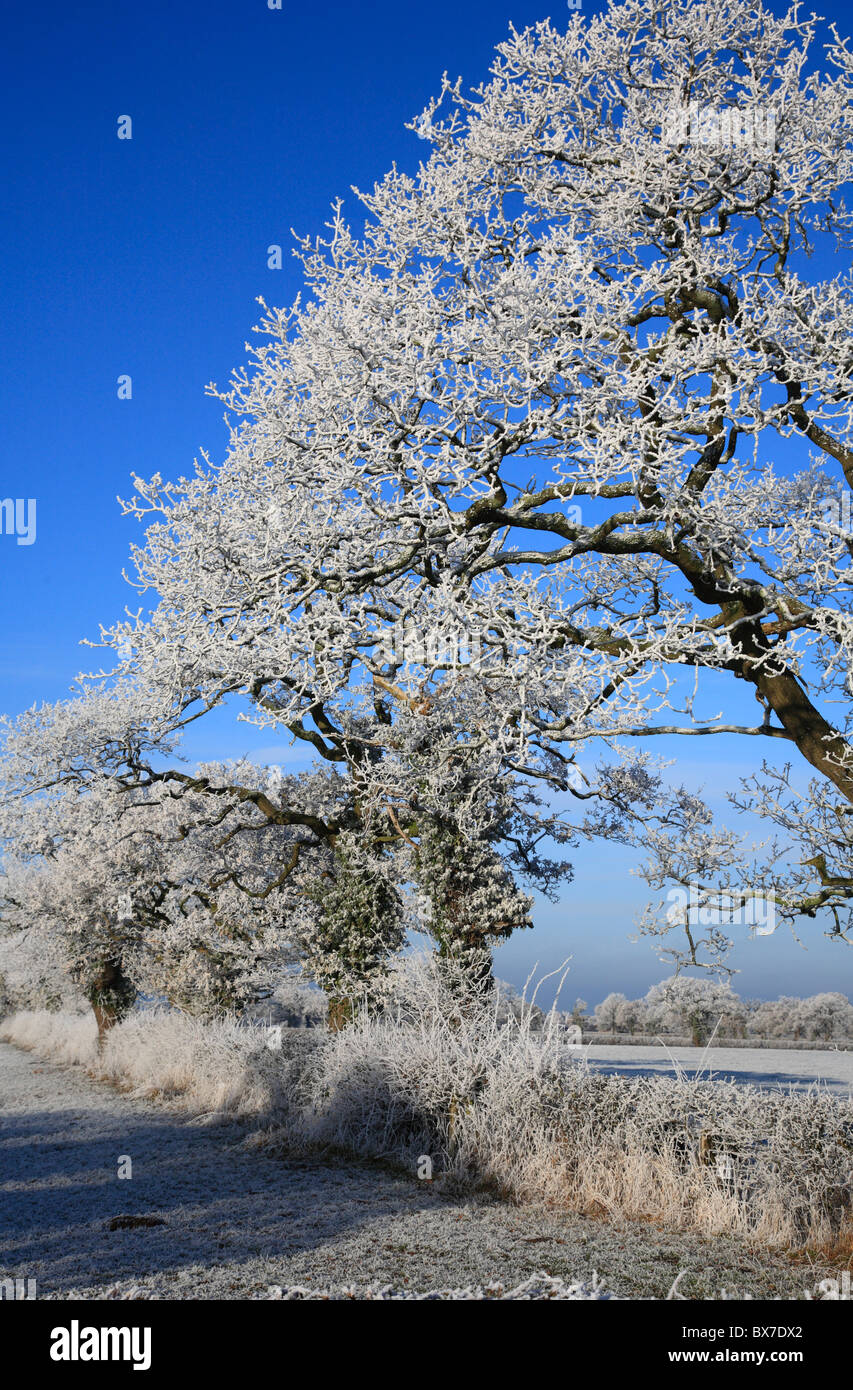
145,256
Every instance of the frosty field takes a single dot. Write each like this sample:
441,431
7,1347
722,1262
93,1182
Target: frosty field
769,1068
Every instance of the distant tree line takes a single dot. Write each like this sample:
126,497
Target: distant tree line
684,1004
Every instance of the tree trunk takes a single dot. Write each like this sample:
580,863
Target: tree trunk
340,1012
468,970
110,995
107,1018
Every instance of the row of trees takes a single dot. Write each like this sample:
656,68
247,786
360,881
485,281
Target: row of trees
699,1007
576,396
123,878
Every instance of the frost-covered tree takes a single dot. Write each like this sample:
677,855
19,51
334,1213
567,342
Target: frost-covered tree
192,886
775,1018
66,891
579,1012
827,1016
695,1005
201,886
824,1017
606,1014
560,442
576,401
616,1014
32,977
632,1016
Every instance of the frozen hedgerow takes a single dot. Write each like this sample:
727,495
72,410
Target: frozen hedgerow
504,1101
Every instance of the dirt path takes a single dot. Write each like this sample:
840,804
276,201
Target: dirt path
238,1221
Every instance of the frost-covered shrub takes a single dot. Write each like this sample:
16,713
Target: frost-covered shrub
501,1103
422,1077
222,1066
512,1004
61,1035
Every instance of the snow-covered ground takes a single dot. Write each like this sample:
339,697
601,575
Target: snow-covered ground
764,1067
239,1222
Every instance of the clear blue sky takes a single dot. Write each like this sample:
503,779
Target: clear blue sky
145,256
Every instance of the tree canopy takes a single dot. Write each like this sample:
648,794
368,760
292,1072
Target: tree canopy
559,434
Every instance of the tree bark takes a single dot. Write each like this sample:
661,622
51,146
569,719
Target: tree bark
340,1012
109,995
